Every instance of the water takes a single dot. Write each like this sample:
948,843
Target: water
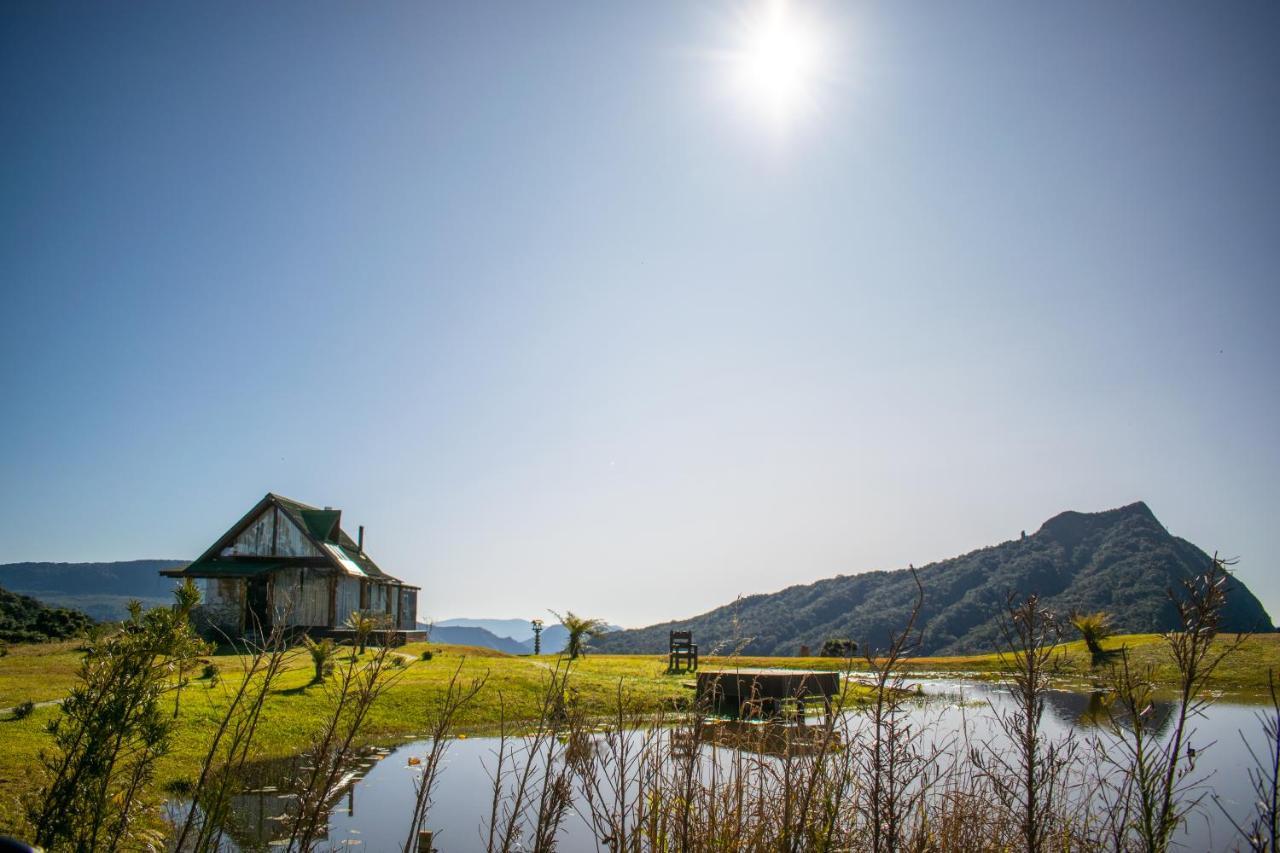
372,814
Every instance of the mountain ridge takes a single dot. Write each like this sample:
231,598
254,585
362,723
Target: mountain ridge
1119,560
100,589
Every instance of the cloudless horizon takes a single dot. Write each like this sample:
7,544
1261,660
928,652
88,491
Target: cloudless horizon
626,309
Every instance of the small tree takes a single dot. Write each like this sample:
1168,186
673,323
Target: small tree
580,629
322,654
364,623
95,786
839,648
1093,628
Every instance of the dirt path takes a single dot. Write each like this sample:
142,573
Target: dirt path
7,713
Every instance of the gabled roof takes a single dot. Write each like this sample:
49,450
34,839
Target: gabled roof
321,527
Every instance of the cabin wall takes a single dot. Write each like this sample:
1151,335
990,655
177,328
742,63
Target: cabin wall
301,597
347,599
408,612
379,598
291,541
271,534
221,606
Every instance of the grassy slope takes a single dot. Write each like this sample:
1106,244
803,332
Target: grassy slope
297,708
43,672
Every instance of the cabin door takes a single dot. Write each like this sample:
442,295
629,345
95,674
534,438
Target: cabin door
257,606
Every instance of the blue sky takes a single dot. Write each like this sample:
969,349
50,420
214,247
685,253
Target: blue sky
538,296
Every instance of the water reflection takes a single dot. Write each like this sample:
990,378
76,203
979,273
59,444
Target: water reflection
1093,710
373,810
260,813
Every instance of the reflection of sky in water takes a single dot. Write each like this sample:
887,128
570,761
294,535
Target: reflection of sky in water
374,815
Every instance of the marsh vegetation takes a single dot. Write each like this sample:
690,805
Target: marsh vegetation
602,753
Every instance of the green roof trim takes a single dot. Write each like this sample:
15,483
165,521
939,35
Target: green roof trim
324,524
228,568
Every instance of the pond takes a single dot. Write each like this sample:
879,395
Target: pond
373,811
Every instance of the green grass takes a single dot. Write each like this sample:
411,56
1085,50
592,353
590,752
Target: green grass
297,708
38,672
514,689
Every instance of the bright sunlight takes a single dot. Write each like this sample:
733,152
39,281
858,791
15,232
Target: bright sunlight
777,61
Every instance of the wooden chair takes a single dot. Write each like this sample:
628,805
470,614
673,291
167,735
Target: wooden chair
683,650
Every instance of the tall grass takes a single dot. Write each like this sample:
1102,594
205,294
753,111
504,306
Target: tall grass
874,774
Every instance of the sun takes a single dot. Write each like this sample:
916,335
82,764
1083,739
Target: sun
777,61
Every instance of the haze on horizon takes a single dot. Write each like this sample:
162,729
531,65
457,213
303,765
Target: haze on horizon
632,308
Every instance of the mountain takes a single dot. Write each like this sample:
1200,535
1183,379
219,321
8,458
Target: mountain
101,590
1121,561
25,620
481,632
515,629
465,635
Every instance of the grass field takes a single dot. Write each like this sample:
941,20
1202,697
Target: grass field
41,673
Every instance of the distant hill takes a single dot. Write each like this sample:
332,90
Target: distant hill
465,635
25,620
480,632
1121,561
99,589
516,629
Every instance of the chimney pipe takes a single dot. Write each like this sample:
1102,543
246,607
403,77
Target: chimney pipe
360,541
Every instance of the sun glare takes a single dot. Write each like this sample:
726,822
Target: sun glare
777,61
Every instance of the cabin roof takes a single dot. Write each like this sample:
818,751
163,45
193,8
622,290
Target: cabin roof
322,527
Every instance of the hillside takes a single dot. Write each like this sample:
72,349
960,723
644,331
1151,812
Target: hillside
1122,561
101,590
25,620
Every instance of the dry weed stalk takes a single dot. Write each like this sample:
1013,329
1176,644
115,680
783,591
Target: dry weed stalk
359,684
231,744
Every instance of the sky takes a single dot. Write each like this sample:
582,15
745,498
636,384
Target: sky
599,307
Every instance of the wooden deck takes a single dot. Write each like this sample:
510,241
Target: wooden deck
765,693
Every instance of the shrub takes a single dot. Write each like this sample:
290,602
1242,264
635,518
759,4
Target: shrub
23,710
427,654
322,655
839,648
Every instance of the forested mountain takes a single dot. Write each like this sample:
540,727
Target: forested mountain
25,620
1121,561
100,589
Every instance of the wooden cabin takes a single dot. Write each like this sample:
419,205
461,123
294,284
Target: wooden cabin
287,563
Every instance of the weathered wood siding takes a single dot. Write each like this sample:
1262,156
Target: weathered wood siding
301,597
378,598
408,614
347,599
271,534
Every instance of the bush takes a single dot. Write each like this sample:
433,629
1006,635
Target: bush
210,670
322,657
23,710
427,655
838,648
